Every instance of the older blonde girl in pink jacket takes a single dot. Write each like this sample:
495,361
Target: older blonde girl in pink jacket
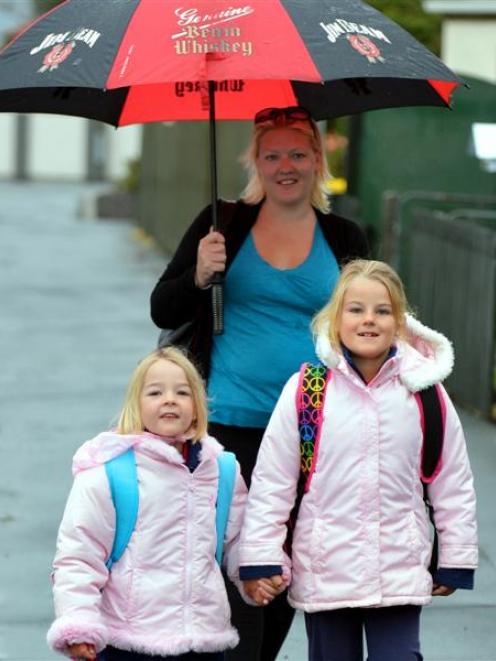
361,545
165,597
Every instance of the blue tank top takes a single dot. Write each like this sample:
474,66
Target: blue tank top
267,312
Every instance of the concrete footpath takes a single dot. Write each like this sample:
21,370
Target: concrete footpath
74,321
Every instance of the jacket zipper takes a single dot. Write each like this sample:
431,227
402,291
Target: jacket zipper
188,560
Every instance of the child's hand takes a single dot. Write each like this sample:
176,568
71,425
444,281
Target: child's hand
82,651
263,590
250,586
279,583
268,589
442,590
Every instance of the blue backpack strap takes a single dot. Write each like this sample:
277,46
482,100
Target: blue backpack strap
226,461
123,482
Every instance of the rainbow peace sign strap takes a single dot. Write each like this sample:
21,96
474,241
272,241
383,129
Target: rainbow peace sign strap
312,389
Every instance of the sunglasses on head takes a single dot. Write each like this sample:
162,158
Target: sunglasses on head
291,113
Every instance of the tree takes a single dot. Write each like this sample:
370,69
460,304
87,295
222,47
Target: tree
411,16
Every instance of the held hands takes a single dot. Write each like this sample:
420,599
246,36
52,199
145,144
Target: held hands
82,651
442,590
263,590
211,258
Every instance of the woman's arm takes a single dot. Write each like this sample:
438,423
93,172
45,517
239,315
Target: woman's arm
176,297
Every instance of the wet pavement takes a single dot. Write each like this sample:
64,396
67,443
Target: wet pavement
74,321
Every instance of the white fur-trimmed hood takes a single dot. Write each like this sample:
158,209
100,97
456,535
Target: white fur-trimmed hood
425,356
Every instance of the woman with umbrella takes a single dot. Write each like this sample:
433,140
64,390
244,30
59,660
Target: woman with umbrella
280,254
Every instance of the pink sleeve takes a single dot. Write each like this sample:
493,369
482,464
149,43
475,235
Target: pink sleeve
453,498
79,573
273,487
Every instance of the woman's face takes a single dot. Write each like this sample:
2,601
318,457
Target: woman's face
287,165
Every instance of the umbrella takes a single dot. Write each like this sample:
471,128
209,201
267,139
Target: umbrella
136,61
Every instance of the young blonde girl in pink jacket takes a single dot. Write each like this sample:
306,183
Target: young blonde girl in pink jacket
361,544
165,597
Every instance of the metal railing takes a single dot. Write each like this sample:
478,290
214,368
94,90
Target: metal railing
452,285
397,215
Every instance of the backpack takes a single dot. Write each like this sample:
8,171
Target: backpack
123,482
310,399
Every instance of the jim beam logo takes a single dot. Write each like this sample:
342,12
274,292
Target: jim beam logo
211,33
359,36
214,35
62,45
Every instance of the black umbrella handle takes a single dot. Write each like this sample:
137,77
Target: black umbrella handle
213,155
217,283
218,307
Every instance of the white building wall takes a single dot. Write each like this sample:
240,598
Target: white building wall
8,145
123,145
57,147
469,47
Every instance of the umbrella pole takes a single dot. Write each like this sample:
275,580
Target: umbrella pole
217,284
213,154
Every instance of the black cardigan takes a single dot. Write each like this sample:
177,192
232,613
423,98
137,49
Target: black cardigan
176,299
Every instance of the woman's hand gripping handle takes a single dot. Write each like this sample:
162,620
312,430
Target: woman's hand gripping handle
211,258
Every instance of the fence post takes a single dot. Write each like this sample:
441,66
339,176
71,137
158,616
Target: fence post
391,205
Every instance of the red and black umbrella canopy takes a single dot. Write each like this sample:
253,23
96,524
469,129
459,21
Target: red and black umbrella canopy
135,61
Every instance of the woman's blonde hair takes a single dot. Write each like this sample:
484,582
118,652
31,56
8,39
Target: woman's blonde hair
254,191
130,420
328,318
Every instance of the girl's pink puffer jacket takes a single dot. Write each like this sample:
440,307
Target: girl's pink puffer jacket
362,535
166,594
